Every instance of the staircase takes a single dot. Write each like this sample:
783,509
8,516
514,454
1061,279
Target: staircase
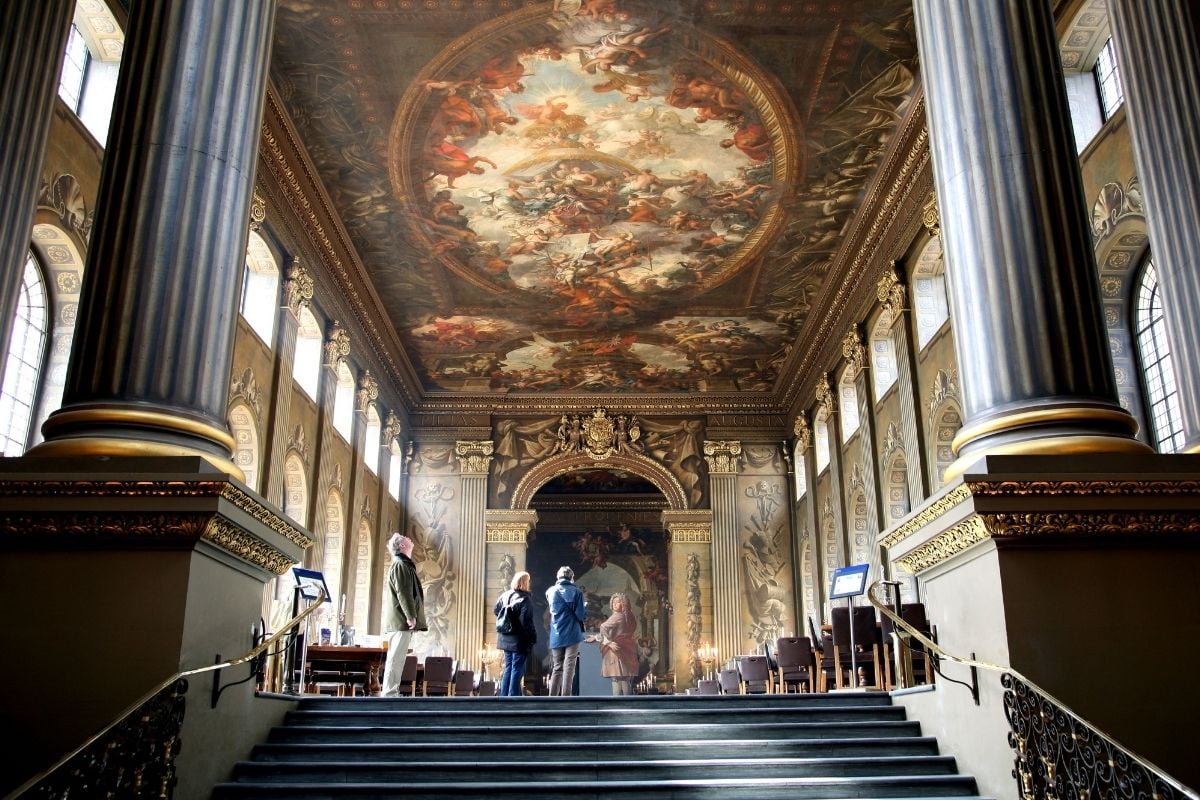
635,748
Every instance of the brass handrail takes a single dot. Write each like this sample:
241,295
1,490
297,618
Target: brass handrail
260,648
932,646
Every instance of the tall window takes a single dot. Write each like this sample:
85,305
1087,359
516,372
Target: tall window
260,289
1157,370
371,446
26,350
930,305
821,442
848,391
88,83
798,467
1108,80
306,365
343,402
883,357
395,469
75,63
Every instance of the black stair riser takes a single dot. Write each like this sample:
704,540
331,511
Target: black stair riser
623,717
674,702
488,752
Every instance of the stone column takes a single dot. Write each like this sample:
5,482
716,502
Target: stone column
1159,57
297,294
1033,354
149,369
474,461
32,41
722,458
867,475
690,567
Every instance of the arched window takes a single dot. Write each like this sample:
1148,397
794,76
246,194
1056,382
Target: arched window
1162,399
848,394
371,446
883,357
930,306
362,579
343,401
26,353
821,440
306,365
245,437
260,289
395,469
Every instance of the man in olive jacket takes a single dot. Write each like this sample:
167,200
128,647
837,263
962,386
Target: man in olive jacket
403,610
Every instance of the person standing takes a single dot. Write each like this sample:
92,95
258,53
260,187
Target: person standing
567,613
619,646
403,610
519,642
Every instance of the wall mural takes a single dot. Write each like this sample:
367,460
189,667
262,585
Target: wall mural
607,559
765,551
595,196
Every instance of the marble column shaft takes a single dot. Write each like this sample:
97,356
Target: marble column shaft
726,566
151,355
1032,350
32,41
473,607
1159,58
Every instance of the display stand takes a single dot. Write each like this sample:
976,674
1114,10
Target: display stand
310,585
850,582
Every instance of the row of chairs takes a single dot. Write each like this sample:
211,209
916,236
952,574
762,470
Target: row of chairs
828,660
441,679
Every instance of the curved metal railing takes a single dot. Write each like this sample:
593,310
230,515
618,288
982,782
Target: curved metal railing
1057,752
134,755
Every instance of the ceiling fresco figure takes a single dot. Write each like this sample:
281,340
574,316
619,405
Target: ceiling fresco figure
614,182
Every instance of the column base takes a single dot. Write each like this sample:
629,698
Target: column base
1080,574
120,573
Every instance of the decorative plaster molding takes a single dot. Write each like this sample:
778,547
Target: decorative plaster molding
337,345
299,442
245,388
562,463
299,287
823,395
391,430
802,431
507,532
368,392
927,515
946,544
890,291
854,352
689,532
258,210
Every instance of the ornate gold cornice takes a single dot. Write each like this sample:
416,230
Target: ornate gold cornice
722,457
1087,488
689,532
474,458
507,532
1093,523
927,515
246,546
946,544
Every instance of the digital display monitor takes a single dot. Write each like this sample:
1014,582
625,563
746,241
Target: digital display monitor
311,583
849,581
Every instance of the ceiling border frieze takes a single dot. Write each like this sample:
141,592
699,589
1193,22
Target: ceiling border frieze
877,238
302,192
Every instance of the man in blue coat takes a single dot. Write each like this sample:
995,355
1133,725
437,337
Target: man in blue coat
567,613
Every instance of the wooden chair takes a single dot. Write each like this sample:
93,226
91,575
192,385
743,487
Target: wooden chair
486,689
439,672
464,683
729,681
755,674
408,676
866,646
797,665
706,686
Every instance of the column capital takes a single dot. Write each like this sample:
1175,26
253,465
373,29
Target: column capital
722,456
890,292
509,526
474,458
823,394
853,351
258,211
930,217
391,429
802,431
298,288
368,392
337,345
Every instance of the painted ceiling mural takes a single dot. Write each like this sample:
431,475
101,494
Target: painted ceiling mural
596,195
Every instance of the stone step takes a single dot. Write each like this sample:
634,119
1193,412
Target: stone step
589,731
928,786
588,768
462,717
794,700
507,752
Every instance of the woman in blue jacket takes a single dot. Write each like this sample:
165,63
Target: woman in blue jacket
517,643
567,613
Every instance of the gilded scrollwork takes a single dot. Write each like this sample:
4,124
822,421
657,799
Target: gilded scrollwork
337,345
236,540
890,291
598,435
926,516
931,218
367,393
507,532
690,532
802,431
823,395
853,352
945,545
299,287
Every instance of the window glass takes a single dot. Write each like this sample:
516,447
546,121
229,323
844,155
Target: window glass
798,466
306,365
1162,398
26,349
371,446
260,289
849,406
1108,79
75,61
394,470
343,403
821,443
